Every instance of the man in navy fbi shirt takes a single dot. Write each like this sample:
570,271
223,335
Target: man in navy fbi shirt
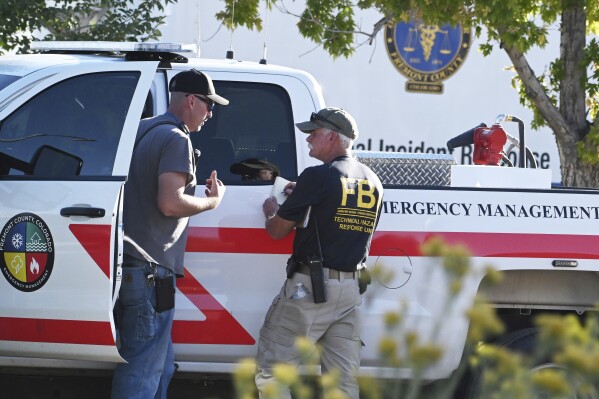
343,199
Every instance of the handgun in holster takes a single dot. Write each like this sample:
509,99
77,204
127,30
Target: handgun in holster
364,279
317,276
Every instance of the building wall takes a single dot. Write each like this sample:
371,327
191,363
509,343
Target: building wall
370,87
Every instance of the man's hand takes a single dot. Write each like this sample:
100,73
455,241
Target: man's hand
276,226
289,188
172,200
214,187
270,207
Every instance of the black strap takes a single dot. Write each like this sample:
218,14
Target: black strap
181,126
318,238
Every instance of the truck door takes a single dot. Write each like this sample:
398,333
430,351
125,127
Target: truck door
66,136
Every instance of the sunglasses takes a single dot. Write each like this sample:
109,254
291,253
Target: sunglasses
208,101
316,117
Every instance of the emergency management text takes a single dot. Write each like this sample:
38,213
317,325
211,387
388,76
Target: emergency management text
493,210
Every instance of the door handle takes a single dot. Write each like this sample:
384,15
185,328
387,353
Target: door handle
82,211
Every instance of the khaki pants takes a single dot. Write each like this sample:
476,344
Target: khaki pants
333,325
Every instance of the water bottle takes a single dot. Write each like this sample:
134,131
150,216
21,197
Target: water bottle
300,291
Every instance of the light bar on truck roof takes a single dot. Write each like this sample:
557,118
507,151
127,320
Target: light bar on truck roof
117,47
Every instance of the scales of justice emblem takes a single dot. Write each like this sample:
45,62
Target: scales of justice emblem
426,54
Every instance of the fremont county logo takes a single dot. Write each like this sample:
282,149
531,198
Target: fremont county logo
26,252
426,54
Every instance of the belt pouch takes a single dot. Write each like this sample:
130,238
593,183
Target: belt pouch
317,276
165,293
292,264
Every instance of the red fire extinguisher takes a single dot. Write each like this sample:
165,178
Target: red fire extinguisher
488,145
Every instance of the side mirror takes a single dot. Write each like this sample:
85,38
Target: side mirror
50,161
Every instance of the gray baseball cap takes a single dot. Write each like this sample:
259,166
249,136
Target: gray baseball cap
333,118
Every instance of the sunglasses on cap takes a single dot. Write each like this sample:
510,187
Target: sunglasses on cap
316,117
206,100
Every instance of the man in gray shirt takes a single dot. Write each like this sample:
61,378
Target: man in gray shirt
158,200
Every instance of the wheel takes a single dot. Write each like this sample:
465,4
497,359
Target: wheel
520,341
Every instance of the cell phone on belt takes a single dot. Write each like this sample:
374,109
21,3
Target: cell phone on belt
165,293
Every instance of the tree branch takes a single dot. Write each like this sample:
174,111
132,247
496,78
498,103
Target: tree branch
536,92
371,36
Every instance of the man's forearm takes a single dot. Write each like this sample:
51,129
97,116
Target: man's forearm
277,227
188,205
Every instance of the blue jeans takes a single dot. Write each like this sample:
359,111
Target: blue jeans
145,336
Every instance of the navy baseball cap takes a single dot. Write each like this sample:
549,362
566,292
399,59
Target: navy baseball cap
196,82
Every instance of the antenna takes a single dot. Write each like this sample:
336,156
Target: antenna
230,52
263,60
199,30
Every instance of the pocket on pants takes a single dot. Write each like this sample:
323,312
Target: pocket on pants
287,321
134,286
146,323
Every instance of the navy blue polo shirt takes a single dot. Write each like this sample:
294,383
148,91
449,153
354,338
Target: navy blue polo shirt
345,198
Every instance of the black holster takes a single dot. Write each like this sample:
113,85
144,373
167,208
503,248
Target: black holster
319,291
292,265
364,279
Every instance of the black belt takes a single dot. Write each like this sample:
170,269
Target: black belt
332,273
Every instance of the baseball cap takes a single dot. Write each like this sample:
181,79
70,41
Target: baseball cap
333,118
252,165
196,82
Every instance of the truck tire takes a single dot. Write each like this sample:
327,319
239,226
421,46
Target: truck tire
520,341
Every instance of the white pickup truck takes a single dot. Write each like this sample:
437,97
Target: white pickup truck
68,119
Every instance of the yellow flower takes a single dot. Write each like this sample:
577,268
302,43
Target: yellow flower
330,380
425,355
434,247
551,381
303,391
245,369
456,287
335,394
381,274
457,261
387,346
392,320
553,328
411,339
307,350
483,321
492,275
576,358
369,387
285,373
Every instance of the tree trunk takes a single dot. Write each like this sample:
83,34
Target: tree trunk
571,88
572,97
575,173
569,122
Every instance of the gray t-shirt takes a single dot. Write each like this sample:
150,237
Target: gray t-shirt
149,234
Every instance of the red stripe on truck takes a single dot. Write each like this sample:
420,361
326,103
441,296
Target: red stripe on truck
96,241
236,240
257,241
219,327
56,331
501,245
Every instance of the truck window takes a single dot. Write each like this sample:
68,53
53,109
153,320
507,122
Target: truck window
80,119
257,123
5,80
